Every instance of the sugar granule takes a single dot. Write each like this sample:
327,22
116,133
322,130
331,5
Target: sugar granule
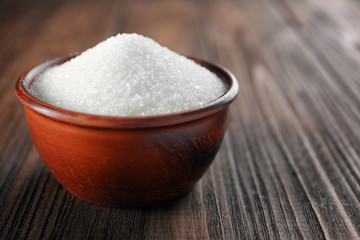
127,75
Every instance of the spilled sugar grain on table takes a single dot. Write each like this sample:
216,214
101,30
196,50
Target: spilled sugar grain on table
289,166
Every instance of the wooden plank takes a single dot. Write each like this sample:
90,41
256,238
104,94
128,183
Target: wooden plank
289,166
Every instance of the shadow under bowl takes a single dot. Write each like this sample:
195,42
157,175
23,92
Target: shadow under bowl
127,161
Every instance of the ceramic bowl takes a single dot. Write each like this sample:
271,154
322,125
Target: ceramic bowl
126,161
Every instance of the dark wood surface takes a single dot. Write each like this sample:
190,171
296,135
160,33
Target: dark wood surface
289,166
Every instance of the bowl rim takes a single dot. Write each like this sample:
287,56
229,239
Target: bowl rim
124,122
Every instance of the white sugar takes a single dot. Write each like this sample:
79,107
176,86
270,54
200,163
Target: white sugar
127,75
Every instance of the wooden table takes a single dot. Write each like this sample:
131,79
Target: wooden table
289,166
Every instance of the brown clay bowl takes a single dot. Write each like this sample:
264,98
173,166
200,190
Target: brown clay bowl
126,161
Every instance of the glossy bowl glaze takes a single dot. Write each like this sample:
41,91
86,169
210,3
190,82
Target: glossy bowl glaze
126,161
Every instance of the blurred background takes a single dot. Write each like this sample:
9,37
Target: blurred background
289,166
48,29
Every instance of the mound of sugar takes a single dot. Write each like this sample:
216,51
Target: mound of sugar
127,75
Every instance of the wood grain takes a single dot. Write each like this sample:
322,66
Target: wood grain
289,166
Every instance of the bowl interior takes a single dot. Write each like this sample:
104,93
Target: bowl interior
26,79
